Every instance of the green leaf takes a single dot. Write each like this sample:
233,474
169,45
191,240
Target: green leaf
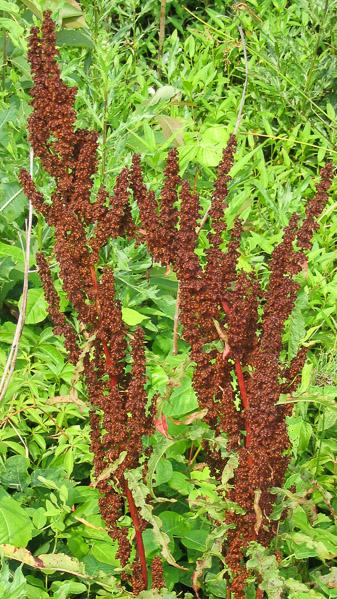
179,482
330,111
296,326
164,472
174,524
299,433
11,251
155,459
74,37
105,552
15,525
37,306
324,546
132,317
166,92
8,7
195,539
67,588
14,472
215,585
183,399
12,586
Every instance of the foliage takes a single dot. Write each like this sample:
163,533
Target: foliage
288,130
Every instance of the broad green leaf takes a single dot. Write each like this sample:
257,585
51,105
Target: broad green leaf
299,432
67,588
74,37
37,306
15,31
195,539
14,473
132,317
174,524
105,552
215,135
179,482
324,546
13,252
155,459
8,7
15,525
164,472
216,586
12,585
55,562
183,399
166,92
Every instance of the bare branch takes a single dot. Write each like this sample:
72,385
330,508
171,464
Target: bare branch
11,360
244,89
162,23
175,325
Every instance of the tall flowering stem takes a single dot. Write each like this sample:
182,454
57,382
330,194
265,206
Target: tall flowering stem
82,227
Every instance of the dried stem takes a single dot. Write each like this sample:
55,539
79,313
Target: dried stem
11,360
176,324
244,89
162,23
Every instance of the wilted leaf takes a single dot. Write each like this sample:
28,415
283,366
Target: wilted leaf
166,92
191,417
172,127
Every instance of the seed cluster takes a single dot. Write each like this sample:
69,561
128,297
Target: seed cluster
233,327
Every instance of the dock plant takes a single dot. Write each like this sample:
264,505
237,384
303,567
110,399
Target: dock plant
233,324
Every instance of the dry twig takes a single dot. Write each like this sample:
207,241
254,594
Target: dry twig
11,360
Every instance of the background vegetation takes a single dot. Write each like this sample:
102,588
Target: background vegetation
144,98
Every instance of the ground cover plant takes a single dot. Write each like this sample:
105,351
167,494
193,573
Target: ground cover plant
188,501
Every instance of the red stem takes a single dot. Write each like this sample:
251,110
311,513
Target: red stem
132,506
138,532
242,386
245,400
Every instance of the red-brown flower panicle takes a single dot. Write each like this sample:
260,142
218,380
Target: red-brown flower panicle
114,219
148,209
51,124
215,271
139,423
168,212
157,573
61,326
